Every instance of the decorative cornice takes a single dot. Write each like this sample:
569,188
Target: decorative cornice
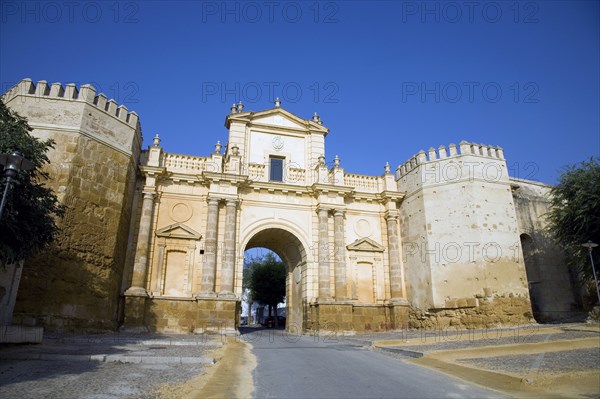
319,188
236,179
152,170
387,195
179,177
280,187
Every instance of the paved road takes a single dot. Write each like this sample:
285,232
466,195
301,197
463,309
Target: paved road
318,367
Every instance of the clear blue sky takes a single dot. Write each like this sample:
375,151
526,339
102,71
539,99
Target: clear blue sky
388,78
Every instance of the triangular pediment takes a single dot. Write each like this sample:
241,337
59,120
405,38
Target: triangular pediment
279,120
277,117
365,244
178,230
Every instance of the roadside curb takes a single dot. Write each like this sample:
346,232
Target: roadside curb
103,358
361,342
374,345
401,351
133,341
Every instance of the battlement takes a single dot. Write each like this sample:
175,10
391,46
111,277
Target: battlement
86,93
463,148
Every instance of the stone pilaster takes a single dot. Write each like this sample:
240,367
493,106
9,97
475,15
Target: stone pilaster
394,256
140,265
207,286
227,270
324,254
340,255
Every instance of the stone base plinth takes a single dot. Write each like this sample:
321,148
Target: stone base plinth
347,317
399,312
21,335
219,315
334,317
135,314
369,318
182,315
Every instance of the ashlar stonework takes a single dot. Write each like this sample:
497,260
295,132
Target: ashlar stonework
155,241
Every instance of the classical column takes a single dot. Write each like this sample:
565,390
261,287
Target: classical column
140,265
394,256
207,285
227,270
340,255
324,254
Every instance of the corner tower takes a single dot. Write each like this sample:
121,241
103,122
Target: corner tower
75,285
461,238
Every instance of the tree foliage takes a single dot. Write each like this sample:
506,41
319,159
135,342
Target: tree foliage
574,216
265,278
28,222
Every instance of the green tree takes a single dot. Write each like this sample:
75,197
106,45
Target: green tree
574,217
265,278
28,222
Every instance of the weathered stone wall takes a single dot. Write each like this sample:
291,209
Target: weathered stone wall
75,284
185,316
181,315
460,233
491,312
341,318
413,233
550,284
371,318
333,317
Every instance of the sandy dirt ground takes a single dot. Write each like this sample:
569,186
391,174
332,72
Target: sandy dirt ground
534,383
230,377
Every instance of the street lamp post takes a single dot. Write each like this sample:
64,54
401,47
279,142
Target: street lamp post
590,245
13,163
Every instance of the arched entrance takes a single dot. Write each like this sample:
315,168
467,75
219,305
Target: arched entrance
293,254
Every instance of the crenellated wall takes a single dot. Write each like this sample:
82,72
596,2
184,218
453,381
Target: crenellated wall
167,232
86,93
75,285
459,228
464,148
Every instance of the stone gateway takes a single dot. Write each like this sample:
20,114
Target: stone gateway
155,241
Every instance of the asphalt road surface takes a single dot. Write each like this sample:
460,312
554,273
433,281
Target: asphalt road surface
291,366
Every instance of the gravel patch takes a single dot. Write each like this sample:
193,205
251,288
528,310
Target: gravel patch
61,379
95,349
61,372
549,362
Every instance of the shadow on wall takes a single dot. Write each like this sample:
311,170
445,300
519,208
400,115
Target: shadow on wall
550,283
64,293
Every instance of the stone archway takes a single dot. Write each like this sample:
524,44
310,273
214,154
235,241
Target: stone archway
293,254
